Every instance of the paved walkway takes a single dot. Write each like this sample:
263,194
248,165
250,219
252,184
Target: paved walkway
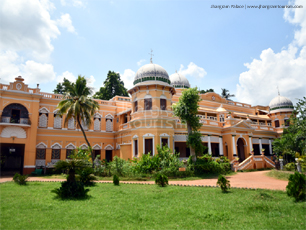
241,179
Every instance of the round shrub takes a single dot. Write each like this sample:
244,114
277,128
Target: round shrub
70,190
161,180
116,180
297,186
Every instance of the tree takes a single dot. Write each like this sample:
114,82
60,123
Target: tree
225,94
293,138
113,86
61,88
206,91
77,104
187,109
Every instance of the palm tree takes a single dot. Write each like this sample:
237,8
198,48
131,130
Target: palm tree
77,104
225,94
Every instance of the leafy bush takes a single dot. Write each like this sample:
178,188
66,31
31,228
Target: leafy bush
206,164
161,180
116,180
20,179
121,167
86,176
297,186
290,166
146,164
71,189
223,183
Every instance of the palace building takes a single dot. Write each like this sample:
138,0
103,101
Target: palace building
33,134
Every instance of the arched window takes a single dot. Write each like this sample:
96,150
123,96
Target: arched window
276,123
287,121
163,102
40,154
57,120
109,123
148,102
43,120
56,152
71,123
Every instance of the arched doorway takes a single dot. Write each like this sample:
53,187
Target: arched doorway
240,148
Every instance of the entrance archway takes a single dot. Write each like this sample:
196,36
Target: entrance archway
12,156
240,148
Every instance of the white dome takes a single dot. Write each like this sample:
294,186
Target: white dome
151,72
179,81
280,102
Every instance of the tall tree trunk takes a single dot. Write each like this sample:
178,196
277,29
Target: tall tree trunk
79,123
192,151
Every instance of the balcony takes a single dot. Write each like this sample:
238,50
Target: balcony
26,122
124,126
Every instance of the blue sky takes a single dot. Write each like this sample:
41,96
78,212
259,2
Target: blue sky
45,41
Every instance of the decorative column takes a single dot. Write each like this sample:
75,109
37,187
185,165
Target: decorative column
234,145
220,146
250,143
260,145
209,145
270,146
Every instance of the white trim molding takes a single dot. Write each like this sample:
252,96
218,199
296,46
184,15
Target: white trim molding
56,146
96,147
161,136
41,145
70,146
109,147
43,110
83,146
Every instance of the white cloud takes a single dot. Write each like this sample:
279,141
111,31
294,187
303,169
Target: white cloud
11,66
38,73
297,17
140,62
8,69
68,75
285,69
193,70
27,26
128,77
66,22
75,3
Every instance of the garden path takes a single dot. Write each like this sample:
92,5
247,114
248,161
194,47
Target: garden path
256,179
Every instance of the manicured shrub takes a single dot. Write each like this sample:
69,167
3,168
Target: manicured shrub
161,180
86,176
297,186
223,183
71,190
290,166
116,180
20,179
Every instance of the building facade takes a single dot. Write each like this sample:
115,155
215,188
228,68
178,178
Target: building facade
33,134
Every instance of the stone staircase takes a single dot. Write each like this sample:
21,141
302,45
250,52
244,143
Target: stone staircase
254,162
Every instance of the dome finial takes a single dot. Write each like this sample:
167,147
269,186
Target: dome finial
278,91
151,61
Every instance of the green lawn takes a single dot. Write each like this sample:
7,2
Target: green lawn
148,207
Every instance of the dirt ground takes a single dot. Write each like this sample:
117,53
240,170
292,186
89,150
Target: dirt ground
241,179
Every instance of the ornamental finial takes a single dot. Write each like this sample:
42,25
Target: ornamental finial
151,61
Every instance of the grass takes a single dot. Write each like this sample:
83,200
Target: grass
198,177
281,175
148,207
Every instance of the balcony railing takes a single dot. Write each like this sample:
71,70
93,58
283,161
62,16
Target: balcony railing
23,121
